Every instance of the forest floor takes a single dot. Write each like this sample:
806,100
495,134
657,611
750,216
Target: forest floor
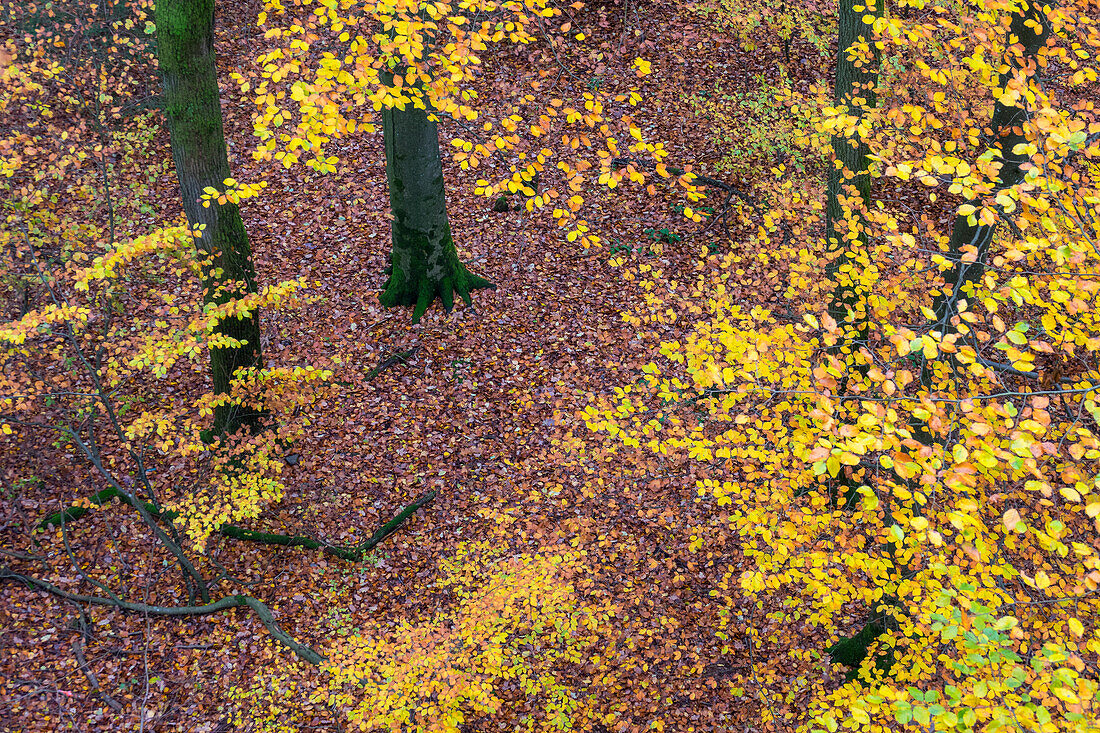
485,412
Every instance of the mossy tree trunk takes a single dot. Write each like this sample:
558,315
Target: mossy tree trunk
185,48
849,183
1027,35
424,264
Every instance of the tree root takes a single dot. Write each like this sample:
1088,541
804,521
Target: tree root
421,293
853,650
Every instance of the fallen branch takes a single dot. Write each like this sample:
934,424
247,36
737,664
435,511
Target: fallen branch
398,358
76,512
353,553
235,601
723,209
729,189
78,652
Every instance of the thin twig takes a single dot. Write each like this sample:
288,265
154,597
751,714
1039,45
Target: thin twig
756,679
78,652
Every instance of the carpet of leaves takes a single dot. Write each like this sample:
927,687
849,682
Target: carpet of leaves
485,412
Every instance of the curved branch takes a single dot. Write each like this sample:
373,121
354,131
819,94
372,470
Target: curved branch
354,553
228,602
150,519
192,578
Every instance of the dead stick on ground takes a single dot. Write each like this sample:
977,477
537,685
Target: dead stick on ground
78,652
399,358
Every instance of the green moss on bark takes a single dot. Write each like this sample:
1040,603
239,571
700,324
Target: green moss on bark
424,264
185,50
422,271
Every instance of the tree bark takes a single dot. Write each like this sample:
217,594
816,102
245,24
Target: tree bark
1007,128
849,177
423,261
185,48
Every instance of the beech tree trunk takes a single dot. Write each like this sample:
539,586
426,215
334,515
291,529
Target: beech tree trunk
423,262
1007,129
849,182
185,48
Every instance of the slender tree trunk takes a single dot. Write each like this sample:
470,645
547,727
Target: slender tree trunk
1007,127
185,46
424,263
849,184
848,194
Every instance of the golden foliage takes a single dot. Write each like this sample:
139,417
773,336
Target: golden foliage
914,480
514,626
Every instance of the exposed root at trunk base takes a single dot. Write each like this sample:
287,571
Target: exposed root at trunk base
423,290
